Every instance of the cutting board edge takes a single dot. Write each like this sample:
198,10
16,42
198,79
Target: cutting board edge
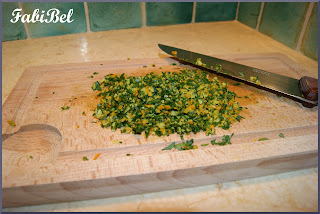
211,174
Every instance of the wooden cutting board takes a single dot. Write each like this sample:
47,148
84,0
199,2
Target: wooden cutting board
58,140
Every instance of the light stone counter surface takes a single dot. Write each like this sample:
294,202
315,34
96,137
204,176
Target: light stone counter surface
292,191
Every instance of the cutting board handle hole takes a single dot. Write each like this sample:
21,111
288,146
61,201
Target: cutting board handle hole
33,146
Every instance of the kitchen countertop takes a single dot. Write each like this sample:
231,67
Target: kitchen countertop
291,191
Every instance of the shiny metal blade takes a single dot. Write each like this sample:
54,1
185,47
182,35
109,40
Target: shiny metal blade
274,82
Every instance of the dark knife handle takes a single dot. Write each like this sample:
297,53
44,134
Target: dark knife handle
309,88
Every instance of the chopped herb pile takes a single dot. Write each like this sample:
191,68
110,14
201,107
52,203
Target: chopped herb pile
12,123
262,139
178,102
281,135
65,107
226,139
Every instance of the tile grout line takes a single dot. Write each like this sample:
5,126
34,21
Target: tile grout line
260,16
194,12
86,12
26,26
304,26
143,14
237,13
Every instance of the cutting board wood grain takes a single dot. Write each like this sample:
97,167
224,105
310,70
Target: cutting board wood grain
43,155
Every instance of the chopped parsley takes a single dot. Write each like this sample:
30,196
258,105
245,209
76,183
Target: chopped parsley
90,76
255,80
85,159
94,73
262,139
12,123
281,135
30,157
226,139
144,66
173,64
84,113
128,154
171,102
153,65
237,84
53,92
204,144
182,146
170,146
65,107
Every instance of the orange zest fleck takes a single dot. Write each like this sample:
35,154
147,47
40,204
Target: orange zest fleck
96,157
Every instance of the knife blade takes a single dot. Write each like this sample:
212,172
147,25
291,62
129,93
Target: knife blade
304,90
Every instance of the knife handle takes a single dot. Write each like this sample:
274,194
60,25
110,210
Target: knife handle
309,88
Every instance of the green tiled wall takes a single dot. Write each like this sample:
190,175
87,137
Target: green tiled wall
249,12
283,21
53,29
168,13
114,15
309,44
11,31
215,11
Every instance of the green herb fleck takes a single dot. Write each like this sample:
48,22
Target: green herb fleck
36,97
12,123
173,64
246,97
153,65
65,107
278,95
237,84
120,142
85,159
170,146
204,144
281,135
30,157
128,154
53,92
226,139
93,122
95,73
90,76
144,66
241,74
84,113
264,138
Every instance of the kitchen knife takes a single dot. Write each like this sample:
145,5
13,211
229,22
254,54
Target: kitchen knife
304,90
